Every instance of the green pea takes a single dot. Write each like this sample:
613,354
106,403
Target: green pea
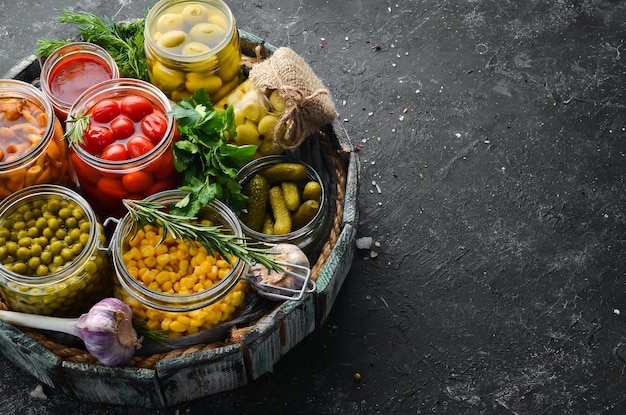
66,254
11,247
23,253
25,241
34,262
20,268
65,212
33,232
42,270
41,223
71,223
36,250
76,249
46,257
56,247
60,233
21,234
53,223
85,227
19,225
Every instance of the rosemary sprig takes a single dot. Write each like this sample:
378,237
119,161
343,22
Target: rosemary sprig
75,133
212,238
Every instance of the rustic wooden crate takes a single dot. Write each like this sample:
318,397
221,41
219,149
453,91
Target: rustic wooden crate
214,368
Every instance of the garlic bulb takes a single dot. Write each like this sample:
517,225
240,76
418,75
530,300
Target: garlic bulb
288,254
106,329
108,332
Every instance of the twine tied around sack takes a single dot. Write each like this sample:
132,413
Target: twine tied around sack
309,104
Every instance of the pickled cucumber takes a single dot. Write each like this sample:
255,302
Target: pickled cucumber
312,191
291,193
258,190
285,171
305,213
282,216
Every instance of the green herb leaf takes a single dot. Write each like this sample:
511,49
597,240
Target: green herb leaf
123,41
215,239
77,128
209,163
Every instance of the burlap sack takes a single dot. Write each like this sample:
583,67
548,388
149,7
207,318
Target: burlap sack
309,104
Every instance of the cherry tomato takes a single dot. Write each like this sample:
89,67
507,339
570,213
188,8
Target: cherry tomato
137,181
138,146
135,107
115,152
97,138
112,187
154,126
122,128
105,110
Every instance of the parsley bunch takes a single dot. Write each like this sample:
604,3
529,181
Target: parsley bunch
209,163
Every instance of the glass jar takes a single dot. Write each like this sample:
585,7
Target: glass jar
124,167
53,256
191,45
158,280
32,149
305,233
73,68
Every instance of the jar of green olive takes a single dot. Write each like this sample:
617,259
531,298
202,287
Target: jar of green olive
191,45
53,254
287,202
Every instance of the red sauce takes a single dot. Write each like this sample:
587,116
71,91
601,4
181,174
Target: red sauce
71,78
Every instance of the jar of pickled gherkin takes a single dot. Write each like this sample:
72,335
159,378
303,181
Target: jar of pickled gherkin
287,202
53,254
125,152
172,285
191,45
32,150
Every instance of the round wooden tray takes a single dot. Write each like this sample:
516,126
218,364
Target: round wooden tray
162,379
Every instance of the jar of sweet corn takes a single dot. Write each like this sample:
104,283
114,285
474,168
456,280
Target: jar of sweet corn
32,150
191,45
126,150
175,286
287,202
53,254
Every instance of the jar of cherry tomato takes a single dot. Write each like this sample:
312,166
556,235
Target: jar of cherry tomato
191,45
121,143
73,68
32,150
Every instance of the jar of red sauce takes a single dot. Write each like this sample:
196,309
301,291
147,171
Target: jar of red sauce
32,150
73,68
126,150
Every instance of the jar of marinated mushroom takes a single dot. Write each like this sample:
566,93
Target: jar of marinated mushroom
32,150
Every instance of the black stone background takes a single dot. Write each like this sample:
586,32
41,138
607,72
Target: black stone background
492,140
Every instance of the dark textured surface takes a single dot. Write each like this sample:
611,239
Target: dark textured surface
492,136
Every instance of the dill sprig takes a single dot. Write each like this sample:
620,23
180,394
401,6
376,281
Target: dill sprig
212,238
123,41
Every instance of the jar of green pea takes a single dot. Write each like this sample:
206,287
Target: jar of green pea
53,253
